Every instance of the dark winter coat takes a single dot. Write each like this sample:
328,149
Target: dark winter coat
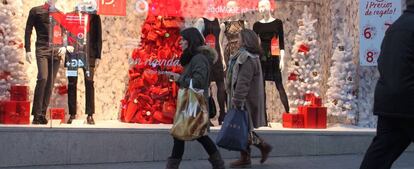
199,69
245,86
394,93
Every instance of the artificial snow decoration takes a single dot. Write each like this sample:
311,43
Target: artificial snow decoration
304,65
341,95
12,64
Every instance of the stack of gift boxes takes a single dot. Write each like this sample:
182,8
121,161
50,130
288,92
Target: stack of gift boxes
17,109
313,115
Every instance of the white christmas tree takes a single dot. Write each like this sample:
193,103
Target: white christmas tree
341,96
12,61
304,67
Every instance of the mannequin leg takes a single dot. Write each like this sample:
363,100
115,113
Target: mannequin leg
221,97
72,95
53,67
90,92
39,92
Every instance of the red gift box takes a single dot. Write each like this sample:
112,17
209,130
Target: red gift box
292,120
316,101
1,111
19,93
57,114
309,96
314,117
16,112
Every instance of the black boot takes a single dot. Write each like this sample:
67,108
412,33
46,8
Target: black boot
36,120
265,149
71,118
244,161
39,119
216,161
90,120
173,163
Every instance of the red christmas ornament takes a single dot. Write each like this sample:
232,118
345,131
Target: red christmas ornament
303,48
150,77
293,77
62,89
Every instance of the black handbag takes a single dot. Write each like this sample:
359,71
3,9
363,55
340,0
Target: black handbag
212,110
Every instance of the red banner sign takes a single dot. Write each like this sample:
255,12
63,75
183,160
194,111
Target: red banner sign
112,7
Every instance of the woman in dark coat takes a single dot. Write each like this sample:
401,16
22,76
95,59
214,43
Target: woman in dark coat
197,60
246,91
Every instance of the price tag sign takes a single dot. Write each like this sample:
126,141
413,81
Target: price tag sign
376,16
211,41
275,48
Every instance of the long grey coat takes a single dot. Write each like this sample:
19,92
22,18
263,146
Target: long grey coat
245,86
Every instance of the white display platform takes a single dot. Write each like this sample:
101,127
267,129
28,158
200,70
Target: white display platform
116,142
116,124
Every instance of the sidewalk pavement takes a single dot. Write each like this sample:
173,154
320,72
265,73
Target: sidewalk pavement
406,161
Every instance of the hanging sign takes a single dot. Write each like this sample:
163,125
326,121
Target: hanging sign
375,18
112,7
57,35
274,46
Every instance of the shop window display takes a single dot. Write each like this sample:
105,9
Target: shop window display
147,95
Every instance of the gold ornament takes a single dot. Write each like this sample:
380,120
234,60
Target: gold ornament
335,102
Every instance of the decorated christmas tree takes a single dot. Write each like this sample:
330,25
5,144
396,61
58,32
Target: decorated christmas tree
12,61
304,68
341,96
151,95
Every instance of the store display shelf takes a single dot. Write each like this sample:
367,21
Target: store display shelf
114,142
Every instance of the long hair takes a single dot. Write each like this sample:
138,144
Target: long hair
250,41
195,40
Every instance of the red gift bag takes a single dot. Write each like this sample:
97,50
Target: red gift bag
292,120
57,114
19,93
16,112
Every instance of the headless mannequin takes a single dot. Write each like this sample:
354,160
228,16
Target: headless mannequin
272,63
88,50
210,26
64,7
265,11
233,9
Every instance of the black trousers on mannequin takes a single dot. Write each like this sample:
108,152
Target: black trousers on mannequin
272,72
394,135
47,66
178,149
89,87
